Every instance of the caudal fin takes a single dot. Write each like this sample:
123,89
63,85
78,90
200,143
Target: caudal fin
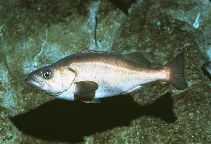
176,66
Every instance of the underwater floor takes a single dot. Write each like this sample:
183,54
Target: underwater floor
37,33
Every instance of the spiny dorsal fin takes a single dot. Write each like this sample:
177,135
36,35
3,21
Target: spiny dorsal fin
93,51
139,59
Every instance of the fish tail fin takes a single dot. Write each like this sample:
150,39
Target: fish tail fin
176,77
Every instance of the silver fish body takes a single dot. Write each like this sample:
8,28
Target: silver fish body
87,76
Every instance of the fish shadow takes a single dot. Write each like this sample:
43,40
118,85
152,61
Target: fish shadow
68,121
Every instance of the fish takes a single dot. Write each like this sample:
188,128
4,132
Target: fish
90,75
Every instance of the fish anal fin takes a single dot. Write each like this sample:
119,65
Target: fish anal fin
133,90
138,58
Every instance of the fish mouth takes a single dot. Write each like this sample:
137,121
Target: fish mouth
33,81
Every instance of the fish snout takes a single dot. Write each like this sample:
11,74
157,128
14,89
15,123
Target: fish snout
31,80
27,80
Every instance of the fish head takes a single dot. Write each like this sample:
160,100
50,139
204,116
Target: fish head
52,79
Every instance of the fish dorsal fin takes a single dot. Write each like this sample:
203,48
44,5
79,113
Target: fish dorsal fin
93,51
138,58
85,90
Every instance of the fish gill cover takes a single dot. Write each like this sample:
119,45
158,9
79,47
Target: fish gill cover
36,33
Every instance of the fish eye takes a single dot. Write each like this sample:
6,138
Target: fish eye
47,74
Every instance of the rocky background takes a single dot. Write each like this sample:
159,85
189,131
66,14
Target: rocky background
36,33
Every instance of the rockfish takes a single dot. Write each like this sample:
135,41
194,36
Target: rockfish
90,75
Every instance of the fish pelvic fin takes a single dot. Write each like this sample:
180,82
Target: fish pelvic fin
176,72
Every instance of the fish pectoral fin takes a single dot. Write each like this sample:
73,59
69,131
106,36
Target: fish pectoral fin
138,58
84,87
85,90
88,98
85,98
